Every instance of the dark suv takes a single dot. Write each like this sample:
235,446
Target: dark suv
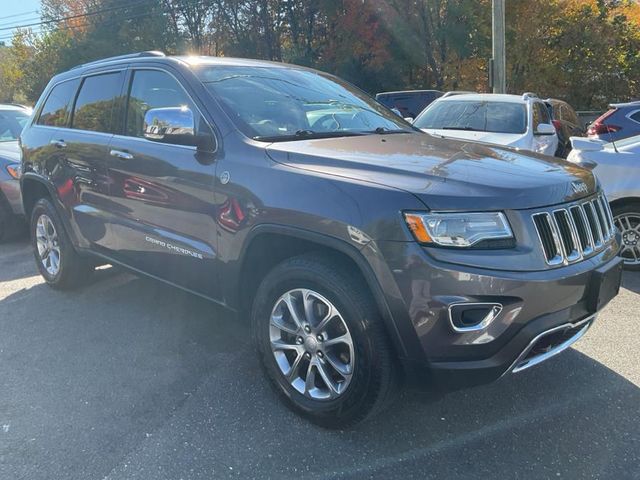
363,250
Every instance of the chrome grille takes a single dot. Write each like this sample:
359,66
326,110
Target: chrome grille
569,234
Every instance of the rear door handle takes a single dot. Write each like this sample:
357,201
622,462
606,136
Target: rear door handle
58,143
121,155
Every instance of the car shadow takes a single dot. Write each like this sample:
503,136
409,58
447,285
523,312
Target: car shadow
134,376
631,281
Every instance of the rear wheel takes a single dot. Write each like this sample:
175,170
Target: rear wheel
321,342
56,259
627,219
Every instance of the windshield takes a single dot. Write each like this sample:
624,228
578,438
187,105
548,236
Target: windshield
277,104
11,124
481,116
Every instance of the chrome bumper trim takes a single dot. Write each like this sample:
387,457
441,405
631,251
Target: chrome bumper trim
519,364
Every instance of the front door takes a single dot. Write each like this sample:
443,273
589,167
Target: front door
163,218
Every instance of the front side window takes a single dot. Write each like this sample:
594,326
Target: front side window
94,108
540,115
56,109
279,104
154,89
11,124
474,115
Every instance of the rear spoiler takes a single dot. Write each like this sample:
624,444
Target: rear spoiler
587,144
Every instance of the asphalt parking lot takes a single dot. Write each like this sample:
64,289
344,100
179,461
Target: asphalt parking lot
130,379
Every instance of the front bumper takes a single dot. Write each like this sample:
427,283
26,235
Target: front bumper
533,304
10,190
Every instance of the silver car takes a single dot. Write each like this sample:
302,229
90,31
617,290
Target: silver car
12,119
617,166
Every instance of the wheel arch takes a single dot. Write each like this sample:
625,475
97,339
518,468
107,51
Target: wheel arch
281,242
33,188
619,202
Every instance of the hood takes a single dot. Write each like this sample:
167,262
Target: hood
508,139
445,174
10,151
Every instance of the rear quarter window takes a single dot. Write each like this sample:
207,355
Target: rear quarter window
56,109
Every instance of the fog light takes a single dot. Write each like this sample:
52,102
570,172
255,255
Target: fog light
472,317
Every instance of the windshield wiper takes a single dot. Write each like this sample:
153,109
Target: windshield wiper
388,131
470,129
306,134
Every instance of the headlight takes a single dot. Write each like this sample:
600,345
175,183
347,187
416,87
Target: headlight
458,229
14,169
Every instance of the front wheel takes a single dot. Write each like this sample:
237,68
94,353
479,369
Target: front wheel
56,259
321,342
627,219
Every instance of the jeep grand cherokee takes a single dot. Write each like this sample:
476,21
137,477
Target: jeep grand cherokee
363,250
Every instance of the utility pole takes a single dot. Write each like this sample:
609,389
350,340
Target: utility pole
498,62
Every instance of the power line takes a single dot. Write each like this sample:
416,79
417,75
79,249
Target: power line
19,15
6,36
80,15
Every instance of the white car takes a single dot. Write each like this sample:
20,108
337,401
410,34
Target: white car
519,121
617,167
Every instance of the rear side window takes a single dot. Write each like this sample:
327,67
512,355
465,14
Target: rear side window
56,109
94,108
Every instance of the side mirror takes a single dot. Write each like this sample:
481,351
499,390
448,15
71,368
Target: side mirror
174,125
545,129
408,119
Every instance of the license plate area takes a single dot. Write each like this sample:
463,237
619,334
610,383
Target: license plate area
605,284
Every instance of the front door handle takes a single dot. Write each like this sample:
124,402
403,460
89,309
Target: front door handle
58,143
121,155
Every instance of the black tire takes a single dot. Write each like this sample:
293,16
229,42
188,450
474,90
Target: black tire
632,208
4,222
73,269
375,378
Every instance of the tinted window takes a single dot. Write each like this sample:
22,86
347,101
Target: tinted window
473,115
153,89
95,103
11,124
409,104
55,111
274,103
635,116
540,115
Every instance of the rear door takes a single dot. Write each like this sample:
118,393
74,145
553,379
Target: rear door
84,147
162,210
42,155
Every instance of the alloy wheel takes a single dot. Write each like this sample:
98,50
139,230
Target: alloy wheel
629,226
311,344
48,245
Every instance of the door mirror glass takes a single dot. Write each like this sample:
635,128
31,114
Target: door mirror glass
175,125
545,129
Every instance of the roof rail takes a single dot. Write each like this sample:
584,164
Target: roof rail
150,53
526,95
457,92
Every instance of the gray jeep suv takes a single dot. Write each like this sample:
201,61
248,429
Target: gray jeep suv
364,251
